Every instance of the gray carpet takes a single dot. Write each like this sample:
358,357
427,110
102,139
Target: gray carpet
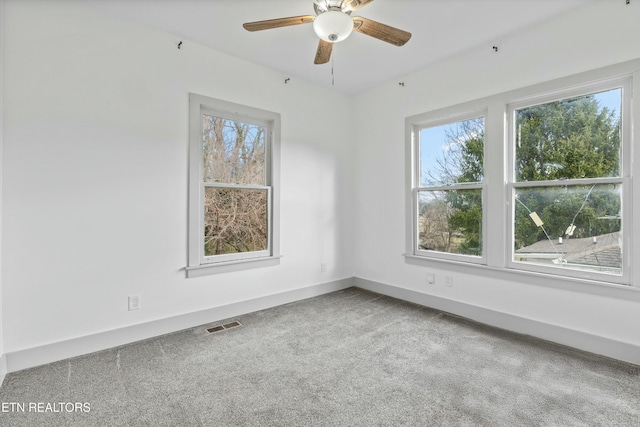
350,358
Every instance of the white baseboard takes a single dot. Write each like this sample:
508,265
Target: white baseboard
35,356
597,344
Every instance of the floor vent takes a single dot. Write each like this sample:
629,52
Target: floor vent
223,327
231,324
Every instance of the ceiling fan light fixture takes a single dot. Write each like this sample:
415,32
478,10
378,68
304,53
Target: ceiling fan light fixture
333,26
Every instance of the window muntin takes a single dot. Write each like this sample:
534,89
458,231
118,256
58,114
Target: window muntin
569,184
448,198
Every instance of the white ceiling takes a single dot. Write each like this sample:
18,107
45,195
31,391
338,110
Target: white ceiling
440,29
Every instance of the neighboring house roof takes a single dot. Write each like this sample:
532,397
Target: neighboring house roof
604,251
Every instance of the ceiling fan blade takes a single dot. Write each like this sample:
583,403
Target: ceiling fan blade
277,23
383,32
356,4
323,54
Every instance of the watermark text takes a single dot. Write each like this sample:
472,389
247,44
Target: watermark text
44,407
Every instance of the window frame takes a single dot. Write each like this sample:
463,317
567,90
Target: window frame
624,179
198,263
497,210
415,125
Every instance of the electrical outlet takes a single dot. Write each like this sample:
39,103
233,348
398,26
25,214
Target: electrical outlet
448,281
134,302
431,278
323,267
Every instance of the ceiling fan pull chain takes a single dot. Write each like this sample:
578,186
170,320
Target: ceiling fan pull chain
333,77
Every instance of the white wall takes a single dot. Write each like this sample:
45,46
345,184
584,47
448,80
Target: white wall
3,365
598,35
94,202
95,175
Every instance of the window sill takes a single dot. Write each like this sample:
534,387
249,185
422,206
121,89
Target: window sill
231,266
594,287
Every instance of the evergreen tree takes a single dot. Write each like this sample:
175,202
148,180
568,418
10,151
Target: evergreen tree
467,141
568,139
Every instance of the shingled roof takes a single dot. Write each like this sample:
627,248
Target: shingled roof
602,251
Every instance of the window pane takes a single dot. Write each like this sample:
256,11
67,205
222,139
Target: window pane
233,152
452,153
235,220
450,221
572,138
575,227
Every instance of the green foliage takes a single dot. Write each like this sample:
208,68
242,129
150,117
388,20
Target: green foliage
466,205
557,207
466,217
568,139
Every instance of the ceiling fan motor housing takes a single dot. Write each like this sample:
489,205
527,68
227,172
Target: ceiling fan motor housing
333,25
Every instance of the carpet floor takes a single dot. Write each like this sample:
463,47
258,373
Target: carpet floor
349,358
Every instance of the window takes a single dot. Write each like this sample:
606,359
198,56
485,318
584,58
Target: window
448,188
233,186
568,183
535,182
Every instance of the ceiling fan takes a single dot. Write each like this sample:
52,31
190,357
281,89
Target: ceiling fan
333,23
